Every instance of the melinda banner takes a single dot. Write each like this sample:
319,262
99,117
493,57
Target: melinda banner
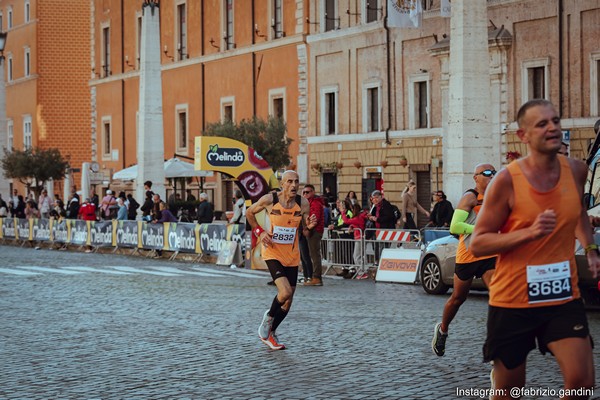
181,237
101,233
254,175
126,233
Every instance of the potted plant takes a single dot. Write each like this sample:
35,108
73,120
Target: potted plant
357,164
383,163
403,161
339,165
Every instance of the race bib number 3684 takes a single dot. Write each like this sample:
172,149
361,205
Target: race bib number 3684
549,282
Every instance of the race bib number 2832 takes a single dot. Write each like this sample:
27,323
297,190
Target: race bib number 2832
283,235
549,282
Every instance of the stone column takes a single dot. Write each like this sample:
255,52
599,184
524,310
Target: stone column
4,184
469,139
150,138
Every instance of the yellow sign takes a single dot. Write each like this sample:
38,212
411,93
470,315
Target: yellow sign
235,158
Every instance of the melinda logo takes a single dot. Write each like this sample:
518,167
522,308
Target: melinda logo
225,157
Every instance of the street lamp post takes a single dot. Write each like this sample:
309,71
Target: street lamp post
4,185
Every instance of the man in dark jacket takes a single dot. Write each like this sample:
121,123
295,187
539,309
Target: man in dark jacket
382,212
441,215
205,210
313,238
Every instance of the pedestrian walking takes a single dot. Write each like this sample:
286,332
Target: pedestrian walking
410,206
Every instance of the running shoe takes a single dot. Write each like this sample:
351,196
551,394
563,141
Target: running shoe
264,328
273,342
438,344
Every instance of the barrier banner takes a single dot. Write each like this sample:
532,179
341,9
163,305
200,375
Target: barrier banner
8,228
24,229
181,237
101,233
237,233
78,231
398,265
152,236
60,232
126,234
41,229
212,238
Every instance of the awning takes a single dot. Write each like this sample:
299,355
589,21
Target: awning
174,168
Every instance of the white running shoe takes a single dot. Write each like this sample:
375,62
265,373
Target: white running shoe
264,329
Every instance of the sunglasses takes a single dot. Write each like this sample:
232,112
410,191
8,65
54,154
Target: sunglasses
306,191
488,173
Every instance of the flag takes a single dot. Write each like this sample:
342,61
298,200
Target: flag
404,13
445,8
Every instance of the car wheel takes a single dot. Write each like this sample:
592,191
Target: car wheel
431,276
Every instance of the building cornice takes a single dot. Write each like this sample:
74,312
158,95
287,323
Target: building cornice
375,136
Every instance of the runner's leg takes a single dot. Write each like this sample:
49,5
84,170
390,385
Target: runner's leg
574,356
457,298
506,379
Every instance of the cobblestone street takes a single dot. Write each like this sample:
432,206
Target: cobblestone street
91,326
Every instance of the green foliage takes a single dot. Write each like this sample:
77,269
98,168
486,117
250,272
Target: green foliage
268,138
34,167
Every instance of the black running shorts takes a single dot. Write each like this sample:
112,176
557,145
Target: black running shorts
512,332
277,271
474,269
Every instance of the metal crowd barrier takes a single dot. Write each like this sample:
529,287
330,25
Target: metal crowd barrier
339,247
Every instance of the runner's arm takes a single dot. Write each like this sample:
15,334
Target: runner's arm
256,208
464,207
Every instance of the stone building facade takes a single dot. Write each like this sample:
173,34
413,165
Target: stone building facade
378,95
46,77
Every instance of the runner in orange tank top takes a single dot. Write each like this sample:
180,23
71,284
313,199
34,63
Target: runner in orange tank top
467,265
287,212
530,217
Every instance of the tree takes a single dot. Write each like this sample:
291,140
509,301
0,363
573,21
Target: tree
268,138
33,167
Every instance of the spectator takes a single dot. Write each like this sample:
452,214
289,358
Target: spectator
148,206
87,211
352,197
326,213
205,210
357,227
148,186
329,196
58,210
239,209
44,204
122,211
165,214
3,208
15,197
382,212
190,197
156,211
95,200
410,206
310,251
108,204
132,208
442,212
73,205
30,210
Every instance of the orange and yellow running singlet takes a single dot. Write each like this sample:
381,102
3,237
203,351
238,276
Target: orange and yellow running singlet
284,227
